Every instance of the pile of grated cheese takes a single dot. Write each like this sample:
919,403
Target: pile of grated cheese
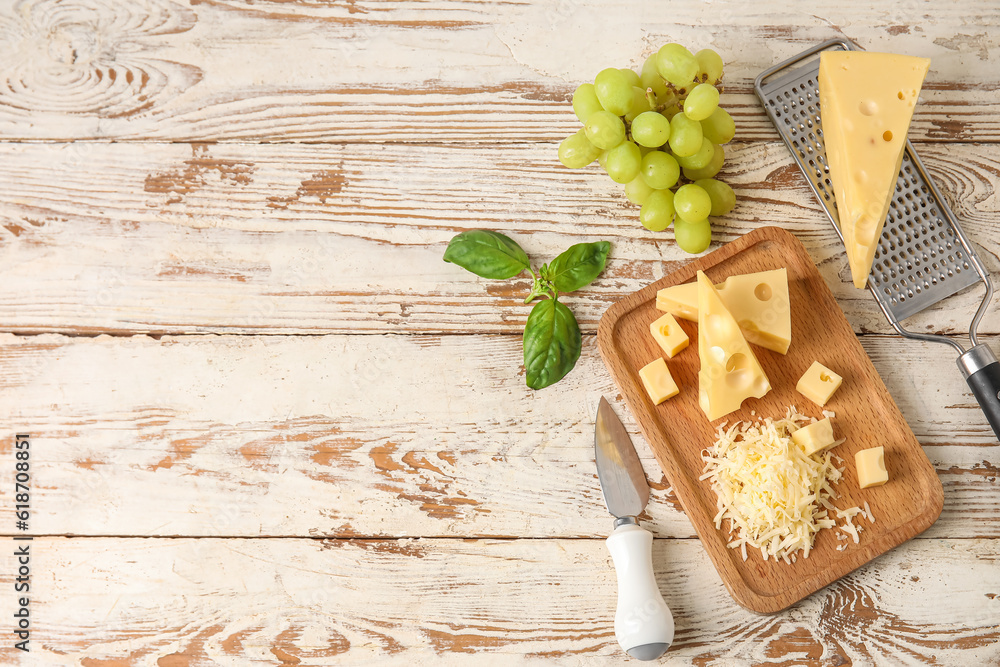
775,498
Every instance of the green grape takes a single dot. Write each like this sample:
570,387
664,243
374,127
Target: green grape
605,130
711,170
585,101
719,127
658,211
692,203
650,77
650,129
623,162
676,65
602,159
660,170
722,196
693,237
631,77
639,104
637,190
613,91
685,135
709,65
671,111
700,159
701,102
576,151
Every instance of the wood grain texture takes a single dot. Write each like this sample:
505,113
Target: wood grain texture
316,602
438,71
297,167
164,238
866,414
378,436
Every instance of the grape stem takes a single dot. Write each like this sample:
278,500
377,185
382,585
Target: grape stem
664,107
651,98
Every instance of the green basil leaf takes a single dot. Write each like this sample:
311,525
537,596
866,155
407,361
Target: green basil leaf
487,254
578,266
552,343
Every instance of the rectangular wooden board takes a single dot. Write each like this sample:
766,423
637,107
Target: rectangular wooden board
678,431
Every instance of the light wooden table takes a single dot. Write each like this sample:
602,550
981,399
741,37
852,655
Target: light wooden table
270,426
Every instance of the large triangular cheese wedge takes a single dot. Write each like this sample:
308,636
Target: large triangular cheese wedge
866,103
729,370
758,302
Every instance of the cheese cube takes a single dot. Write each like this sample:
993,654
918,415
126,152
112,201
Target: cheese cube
657,381
758,302
669,335
818,383
871,467
815,436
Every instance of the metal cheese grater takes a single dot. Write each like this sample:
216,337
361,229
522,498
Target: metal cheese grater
923,255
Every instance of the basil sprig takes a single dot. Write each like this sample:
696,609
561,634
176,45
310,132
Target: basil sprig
552,340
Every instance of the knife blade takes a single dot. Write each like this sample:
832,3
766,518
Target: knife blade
644,625
622,479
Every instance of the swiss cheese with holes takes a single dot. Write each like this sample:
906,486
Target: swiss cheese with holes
730,373
818,383
758,302
668,334
866,104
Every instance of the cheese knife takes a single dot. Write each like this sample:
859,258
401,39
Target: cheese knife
644,625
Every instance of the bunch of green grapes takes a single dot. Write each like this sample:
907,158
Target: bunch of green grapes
660,134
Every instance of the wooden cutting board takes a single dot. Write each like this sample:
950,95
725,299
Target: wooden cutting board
678,431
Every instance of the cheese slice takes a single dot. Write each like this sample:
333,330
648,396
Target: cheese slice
866,104
758,301
729,370
680,301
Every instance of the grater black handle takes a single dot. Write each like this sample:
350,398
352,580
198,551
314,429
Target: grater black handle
982,372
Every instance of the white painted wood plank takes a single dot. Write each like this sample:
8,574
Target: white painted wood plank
155,602
434,71
169,238
376,436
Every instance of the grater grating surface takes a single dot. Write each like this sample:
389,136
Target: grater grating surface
923,255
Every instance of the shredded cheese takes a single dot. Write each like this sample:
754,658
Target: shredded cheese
849,526
775,497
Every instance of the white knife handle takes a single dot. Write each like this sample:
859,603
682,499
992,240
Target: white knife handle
644,625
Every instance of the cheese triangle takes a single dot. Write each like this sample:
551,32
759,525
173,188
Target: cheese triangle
730,373
757,301
866,104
